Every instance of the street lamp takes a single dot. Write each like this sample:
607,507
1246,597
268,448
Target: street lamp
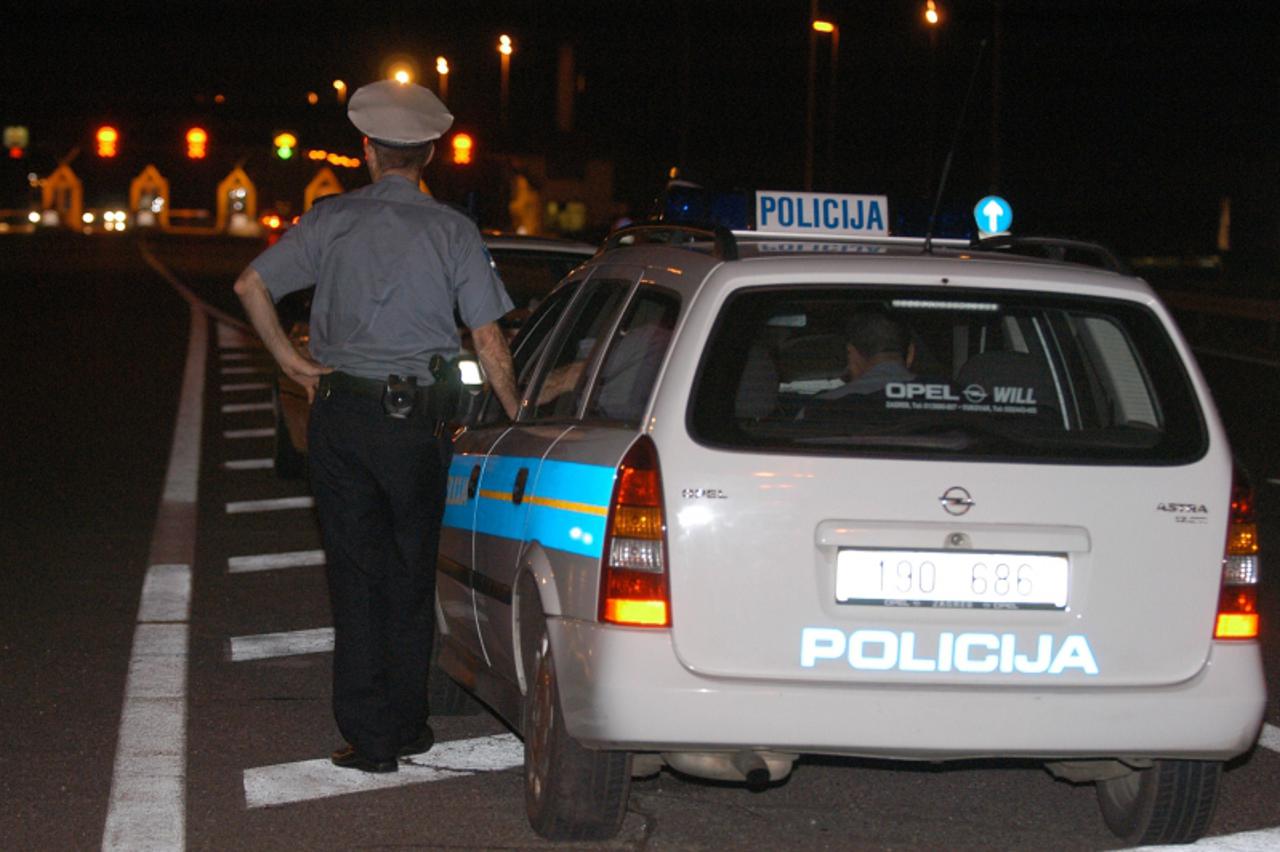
505,48
341,88
932,16
825,28
401,73
442,69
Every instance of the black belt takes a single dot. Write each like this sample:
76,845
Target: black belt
345,383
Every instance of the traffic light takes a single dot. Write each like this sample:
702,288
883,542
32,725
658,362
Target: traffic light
16,138
463,146
285,144
197,142
108,138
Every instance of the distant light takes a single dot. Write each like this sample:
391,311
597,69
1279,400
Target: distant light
442,65
824,26
313,98
197,141
219,99
462,148
33,217
931,15
340,87
285,143
107,137
87,218
504,45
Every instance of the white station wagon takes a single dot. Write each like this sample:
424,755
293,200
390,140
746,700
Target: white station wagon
770,496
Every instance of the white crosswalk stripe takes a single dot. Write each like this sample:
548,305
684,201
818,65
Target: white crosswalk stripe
237,507
266,646
249,464
237,407
265,432
319,779
272,561
244,386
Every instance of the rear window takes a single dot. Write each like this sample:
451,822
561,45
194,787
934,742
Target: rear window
954,373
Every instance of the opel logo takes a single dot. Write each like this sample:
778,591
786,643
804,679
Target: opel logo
956,500
974,394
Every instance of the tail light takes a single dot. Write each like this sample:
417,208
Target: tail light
633,581
1238,600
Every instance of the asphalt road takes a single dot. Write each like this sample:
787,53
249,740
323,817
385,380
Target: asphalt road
95,341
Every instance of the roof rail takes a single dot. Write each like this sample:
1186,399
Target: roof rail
722,241
1056,248
872,239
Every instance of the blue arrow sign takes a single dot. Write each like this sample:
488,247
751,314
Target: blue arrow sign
993,215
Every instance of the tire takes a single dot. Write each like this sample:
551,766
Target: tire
571,792
289,462
1172,802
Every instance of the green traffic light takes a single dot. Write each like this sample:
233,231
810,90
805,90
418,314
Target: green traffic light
284,153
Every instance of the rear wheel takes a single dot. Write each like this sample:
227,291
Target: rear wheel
571,792
1172,802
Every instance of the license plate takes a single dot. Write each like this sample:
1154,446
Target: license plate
951,578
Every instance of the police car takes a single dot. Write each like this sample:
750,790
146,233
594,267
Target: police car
708,542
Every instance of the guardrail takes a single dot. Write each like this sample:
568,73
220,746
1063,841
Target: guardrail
1249,325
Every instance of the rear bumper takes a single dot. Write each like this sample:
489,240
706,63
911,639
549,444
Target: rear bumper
625,689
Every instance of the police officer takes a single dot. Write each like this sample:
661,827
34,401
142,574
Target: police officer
389,265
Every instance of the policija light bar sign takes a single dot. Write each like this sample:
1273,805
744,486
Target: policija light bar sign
822,213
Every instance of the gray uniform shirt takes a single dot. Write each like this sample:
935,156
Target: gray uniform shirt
389,264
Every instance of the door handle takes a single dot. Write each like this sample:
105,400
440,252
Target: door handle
517,490
473,482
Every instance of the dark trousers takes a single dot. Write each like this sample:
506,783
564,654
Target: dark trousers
379,486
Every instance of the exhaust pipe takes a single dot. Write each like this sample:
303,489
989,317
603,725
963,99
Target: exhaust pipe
754,770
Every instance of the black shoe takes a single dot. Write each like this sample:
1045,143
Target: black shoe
348,758
419,745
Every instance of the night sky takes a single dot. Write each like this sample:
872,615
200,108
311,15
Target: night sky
1121,121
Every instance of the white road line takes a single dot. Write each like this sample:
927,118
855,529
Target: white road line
245,386
243,371
249,433
249,464
1265,840
237,507
1273,481
147,805
319,779
272,561
1270,737
237,407
266,646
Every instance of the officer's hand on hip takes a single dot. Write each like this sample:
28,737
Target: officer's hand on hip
305,372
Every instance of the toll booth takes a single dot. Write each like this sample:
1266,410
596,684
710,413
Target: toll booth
237,204
62,193
324,183
149,199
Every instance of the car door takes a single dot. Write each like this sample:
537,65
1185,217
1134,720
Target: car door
508,481
454,585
